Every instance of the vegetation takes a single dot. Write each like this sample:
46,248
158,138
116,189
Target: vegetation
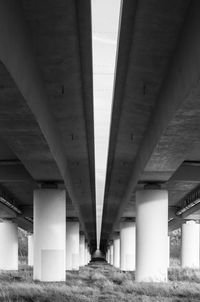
23,246
175,244
100,282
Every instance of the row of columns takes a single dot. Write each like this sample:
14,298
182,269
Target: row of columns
121,252
54,246
72,264
144,245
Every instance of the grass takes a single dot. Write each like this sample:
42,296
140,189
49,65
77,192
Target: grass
100,282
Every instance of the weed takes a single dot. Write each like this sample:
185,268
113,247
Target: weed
100,283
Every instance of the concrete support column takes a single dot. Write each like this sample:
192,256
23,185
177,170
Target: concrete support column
116,250
87,257
8,245
30,250
111,254
127,245
190,244
72,245
82,250
168,249
108,255
151,235
86,260
88,254
49,235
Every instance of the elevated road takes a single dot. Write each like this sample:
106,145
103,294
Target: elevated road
154,140
46,106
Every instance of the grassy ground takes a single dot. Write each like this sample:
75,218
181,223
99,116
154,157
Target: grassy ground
100,283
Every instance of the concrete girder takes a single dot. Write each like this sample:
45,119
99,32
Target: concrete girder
24,224
181,84
14,173
175,224
22,66
6,212
188,171
192,213
27,210
177,87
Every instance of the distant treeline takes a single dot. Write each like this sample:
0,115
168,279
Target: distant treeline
175,244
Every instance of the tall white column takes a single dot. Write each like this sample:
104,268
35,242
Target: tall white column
86,251
168,249
108,255
116,251
72,245
151,235
111,254
82,250
8,245
127,245
30,249
190,244
88,254
49,235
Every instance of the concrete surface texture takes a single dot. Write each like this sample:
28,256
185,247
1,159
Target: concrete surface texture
47,126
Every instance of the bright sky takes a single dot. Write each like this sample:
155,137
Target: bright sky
105,22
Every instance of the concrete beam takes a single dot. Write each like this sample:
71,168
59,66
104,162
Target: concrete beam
24,224
6,212
27,210
192,213
14,172
23,68
172,212
175,224
188,171
181,84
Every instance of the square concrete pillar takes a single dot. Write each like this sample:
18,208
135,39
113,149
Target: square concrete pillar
127,245
151,235
111,254
116,250
8,245
30,249
72,245
82,250
49,235
190,244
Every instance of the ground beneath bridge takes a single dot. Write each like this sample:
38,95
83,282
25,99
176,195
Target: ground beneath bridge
100,282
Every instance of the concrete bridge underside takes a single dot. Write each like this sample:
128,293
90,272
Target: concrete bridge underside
154,145
47,131
46,110
154,138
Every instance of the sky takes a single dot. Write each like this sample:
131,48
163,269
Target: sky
105,24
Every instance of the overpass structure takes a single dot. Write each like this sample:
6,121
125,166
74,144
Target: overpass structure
46,125
47,158
153,159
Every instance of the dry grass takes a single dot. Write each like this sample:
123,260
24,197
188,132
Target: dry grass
100,283
184,274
